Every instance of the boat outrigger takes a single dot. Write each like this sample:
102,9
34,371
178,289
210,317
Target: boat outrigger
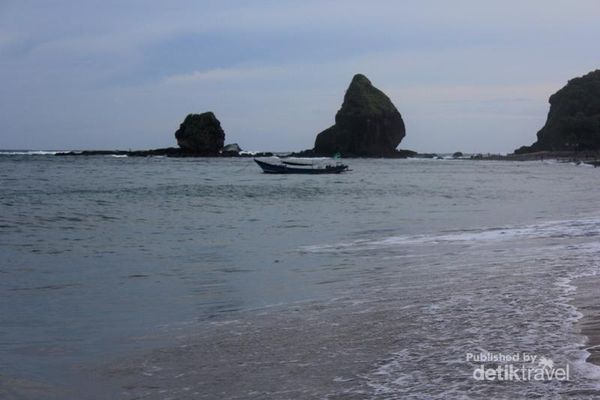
291,167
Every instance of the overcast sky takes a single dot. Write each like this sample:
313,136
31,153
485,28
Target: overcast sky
466,75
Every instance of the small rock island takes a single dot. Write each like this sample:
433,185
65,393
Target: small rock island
367,125
201,134
573,123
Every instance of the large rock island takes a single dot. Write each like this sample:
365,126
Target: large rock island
367,125
573,122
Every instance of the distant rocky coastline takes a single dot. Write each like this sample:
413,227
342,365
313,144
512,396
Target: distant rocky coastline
369,125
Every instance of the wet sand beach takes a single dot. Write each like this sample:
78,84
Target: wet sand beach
587,301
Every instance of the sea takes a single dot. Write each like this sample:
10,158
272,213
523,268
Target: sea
203,278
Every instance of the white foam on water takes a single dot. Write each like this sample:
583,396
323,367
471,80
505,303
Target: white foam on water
539,307
551,229
588,370
28,152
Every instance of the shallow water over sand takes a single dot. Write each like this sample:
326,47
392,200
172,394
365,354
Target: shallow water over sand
206,279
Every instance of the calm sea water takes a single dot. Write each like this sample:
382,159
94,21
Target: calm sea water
204,278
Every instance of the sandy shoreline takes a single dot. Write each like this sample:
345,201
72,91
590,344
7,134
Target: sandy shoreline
586,299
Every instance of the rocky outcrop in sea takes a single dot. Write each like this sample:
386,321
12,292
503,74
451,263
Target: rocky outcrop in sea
573,122
367,125
201,134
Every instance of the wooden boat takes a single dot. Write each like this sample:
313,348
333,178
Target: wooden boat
295,168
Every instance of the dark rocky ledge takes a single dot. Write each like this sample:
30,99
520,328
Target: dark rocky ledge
392,154
166,152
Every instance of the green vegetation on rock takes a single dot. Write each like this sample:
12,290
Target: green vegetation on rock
367,124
